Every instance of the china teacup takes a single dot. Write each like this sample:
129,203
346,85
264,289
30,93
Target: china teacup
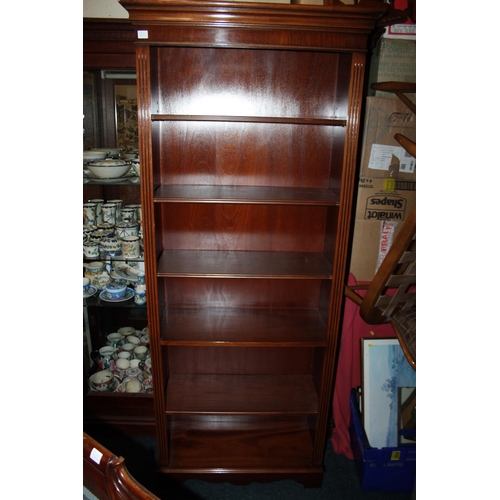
91,249
141,352
135,373
102,380
132,339
125,355
128,348
135,363
115,339
122,365
86,285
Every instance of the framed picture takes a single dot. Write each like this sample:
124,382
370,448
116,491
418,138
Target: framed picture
384,371
407,415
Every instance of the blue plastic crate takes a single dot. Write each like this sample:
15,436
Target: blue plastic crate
381,469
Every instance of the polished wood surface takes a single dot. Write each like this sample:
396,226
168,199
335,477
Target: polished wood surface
106,475
108,44
249,129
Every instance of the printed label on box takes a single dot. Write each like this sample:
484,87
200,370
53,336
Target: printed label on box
385,207
386,236
381,158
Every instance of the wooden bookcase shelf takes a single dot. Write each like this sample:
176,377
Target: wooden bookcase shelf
243,327
241,394
240,264
249,123
239,445
251,119
246,195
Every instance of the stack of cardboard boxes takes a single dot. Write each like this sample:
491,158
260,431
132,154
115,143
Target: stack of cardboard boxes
387,174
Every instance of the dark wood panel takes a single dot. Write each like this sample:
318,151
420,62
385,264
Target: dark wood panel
247,293
233,443
235,394
249,327
245,194
240,360
245,154
257,83
289,265
236,227
108,44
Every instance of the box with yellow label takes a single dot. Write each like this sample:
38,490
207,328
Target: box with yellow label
381,208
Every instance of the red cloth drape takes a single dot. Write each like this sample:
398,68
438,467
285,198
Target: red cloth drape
349,369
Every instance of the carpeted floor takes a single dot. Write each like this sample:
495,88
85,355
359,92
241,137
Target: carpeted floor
340,482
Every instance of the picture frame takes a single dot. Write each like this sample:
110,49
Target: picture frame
385,369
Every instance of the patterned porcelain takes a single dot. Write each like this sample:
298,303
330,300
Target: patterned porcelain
93,269
89,214
141,352
103,381
106,358
116,289
115,340
129,214
123,229
118,204
131,247
91,249
111,246
109,213
135,373
98,203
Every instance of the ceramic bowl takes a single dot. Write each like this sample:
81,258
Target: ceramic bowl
113,152
128,156
94,155
126,330
116,289
108,169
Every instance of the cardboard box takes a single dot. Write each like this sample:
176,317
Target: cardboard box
381,208
381,469
393,60
381,155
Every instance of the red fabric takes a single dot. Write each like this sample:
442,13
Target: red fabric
349,369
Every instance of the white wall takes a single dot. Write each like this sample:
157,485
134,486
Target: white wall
104,9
